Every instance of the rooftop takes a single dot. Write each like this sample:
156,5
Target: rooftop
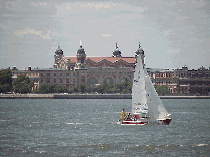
110,59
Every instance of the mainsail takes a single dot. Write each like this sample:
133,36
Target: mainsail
139,102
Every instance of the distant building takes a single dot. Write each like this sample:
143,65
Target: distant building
193,81
71,71
182,80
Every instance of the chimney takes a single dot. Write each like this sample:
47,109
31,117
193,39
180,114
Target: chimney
29,68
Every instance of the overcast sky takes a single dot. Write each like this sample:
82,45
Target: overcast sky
172,33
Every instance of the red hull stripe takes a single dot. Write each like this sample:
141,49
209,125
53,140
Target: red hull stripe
166,121
134,123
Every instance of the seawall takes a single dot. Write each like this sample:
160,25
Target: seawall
93,96
87,96
26,96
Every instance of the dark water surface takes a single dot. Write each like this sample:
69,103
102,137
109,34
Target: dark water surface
41,127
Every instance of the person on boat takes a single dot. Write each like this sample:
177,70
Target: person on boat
135,117
129,116
123,114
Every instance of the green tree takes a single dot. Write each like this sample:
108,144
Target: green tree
60,89
89,88
43,88
126,87
75,89
23,84
108,88
119,86
100,88
125,91
51,88
5,88
6,76
22,88
114,90
162,90
82,87
5,80
70,90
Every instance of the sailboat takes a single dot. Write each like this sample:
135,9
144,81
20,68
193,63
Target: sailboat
146,104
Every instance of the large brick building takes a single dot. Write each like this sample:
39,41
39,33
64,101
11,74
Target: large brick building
71,71
183,80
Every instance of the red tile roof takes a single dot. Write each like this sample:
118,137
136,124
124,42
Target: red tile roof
110,59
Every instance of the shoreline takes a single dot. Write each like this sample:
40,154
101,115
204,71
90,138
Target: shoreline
88,96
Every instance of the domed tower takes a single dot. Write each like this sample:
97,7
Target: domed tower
57,56
116,52
80,58
140,52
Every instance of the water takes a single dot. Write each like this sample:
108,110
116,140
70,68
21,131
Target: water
40,127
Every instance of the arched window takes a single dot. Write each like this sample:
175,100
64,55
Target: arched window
92,81
124,80
108,81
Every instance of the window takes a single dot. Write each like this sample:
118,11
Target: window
62,65
48,74
48,80
41,74
61,81
67,80
61,74
54,80
67,74
54,74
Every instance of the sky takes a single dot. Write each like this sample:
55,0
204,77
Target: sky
172,33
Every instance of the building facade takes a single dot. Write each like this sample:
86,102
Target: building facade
183,80
71,71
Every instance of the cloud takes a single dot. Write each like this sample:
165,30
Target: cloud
38,4
199,3
168,32
106,35
1,25
45,4
97,6
173,51
32,31
68,7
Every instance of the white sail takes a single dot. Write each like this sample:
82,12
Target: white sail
139,102
146,104
144,94
155,106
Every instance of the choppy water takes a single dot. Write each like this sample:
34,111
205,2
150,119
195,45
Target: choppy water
88,128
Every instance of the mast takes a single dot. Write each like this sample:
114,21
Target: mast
80,43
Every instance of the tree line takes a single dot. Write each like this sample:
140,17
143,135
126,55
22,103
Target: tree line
24,85
124,87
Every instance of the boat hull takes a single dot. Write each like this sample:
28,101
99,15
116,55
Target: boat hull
131,122
164,121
